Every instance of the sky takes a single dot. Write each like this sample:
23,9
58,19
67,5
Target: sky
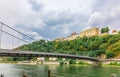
51,19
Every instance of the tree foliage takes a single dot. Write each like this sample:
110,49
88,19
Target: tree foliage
105,30
92,46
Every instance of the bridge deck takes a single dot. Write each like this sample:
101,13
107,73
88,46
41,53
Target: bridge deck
12,53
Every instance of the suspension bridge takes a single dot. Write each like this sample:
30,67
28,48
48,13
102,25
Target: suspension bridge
18,38
11,38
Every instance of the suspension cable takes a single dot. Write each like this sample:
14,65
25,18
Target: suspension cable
14,36
18,31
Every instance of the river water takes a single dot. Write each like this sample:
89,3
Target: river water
15,70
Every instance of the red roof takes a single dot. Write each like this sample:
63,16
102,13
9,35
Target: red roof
74,33
114,31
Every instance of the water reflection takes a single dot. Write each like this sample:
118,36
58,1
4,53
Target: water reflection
15,70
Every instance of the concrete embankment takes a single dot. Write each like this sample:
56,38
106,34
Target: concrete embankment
34,63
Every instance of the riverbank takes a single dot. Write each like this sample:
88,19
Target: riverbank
37,63
30,62
53,63
12,62
77,65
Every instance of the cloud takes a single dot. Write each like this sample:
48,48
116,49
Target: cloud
14,11
49,19
82,7
105,13
63,24
96,19
44,18
36,5
35,35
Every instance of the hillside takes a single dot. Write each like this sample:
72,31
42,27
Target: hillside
95,46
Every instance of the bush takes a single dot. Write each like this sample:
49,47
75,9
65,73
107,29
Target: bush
61,63
81,62
72,62
110,54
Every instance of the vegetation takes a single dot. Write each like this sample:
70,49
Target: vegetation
95,46
61,63
72,61
20,58
105,30
115,63
83,63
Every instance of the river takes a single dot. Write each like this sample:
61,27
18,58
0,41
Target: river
17,70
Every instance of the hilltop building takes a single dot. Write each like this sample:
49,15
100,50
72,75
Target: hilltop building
72,36
103,34
90,32
114,32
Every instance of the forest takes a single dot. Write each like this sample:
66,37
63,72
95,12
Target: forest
94,46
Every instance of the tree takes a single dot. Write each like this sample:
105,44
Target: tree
119,32
72,61
99,52
110,54
91,54
93,46
105,30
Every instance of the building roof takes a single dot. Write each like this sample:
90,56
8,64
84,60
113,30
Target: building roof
74,33
114,31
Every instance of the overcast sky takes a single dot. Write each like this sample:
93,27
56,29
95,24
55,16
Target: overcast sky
50,19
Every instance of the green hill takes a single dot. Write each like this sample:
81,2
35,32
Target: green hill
95,46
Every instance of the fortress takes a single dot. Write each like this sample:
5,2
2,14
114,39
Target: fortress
88,33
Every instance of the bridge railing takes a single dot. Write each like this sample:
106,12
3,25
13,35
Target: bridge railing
78,53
